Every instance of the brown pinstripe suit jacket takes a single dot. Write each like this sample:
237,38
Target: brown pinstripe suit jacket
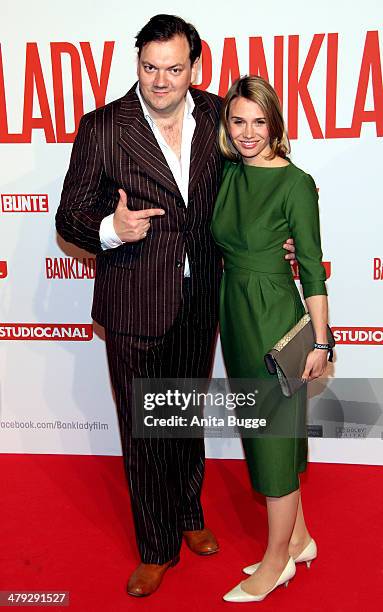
138,285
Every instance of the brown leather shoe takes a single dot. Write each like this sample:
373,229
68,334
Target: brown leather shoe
201,541
147,577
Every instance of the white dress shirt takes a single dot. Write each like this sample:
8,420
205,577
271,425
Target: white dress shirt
180,168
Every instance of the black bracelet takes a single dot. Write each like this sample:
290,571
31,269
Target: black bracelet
324,347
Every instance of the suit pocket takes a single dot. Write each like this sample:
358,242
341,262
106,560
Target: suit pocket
124,256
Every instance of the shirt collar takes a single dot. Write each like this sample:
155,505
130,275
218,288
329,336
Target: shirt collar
188,100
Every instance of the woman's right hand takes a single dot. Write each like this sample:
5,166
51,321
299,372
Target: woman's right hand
316,364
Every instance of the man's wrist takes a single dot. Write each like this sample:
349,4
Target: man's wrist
108,235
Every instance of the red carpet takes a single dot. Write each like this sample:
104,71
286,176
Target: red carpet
66,525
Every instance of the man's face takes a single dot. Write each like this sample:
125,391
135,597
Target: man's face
165,74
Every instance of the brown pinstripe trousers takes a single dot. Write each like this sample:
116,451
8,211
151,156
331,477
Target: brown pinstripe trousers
164,475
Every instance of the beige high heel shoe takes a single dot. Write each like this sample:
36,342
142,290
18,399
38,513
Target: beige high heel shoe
308,554
238,595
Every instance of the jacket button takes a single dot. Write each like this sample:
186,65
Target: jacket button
178,264
180,204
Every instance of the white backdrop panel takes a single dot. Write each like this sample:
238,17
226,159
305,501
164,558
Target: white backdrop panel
55,396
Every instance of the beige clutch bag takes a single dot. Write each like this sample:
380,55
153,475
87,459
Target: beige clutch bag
288,357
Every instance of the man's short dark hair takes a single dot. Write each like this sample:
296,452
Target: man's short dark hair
165,27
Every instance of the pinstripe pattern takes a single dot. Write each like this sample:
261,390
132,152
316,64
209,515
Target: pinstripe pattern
165,476
138,285
152,329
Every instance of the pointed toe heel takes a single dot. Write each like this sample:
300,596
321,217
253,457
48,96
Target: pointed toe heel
308,554
238,595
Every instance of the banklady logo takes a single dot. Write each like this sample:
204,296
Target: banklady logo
66,268
378,269
325,264
47,331
358,335
3,269
24,203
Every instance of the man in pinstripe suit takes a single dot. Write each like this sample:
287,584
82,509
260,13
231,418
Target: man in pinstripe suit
139,192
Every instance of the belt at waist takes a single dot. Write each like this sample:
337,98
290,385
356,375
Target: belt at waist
235,260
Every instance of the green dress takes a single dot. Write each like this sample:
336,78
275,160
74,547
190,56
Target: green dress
257,209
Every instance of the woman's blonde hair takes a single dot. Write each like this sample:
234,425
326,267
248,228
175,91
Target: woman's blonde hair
256,89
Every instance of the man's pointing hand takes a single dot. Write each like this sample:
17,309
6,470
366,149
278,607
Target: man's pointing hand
132,225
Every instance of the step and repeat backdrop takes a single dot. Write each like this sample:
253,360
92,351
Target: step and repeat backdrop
59,60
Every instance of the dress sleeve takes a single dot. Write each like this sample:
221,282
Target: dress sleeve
302,214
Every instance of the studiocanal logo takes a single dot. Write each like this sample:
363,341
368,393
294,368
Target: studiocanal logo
24,203
76,332
3,269
358,335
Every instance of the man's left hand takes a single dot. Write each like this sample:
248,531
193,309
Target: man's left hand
290,247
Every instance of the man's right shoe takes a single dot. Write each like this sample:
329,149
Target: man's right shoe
201,541
147,577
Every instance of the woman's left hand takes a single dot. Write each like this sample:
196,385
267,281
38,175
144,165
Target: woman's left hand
316,364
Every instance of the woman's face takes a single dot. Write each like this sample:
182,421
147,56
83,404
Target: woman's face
248,130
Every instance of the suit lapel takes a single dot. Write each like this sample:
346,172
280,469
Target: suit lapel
138,140
204,138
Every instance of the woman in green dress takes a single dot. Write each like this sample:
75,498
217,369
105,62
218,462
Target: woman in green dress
264,198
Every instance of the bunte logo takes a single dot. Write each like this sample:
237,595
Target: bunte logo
24,203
